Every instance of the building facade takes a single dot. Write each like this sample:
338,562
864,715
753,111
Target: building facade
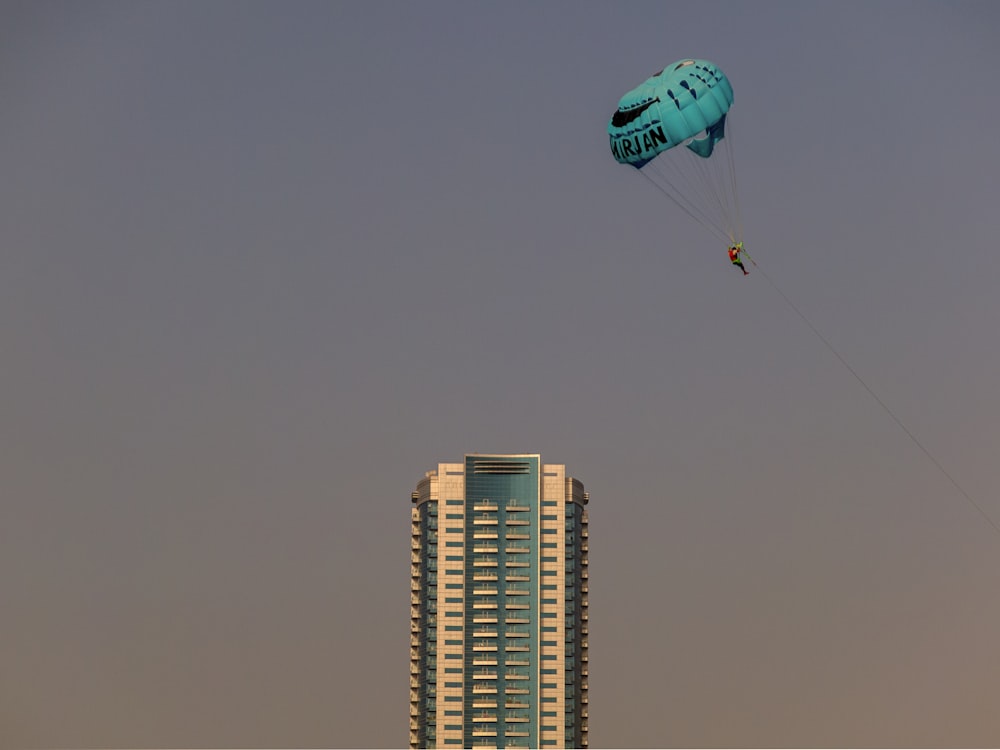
499,588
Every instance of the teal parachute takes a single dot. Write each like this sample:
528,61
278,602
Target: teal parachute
676,129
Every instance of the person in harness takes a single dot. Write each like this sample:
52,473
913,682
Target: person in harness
734,256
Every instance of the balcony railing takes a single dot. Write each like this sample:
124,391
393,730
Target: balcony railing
517,550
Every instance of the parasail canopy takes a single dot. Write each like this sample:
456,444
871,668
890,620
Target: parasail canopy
685,104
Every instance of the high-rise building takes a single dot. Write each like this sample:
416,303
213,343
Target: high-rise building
498,605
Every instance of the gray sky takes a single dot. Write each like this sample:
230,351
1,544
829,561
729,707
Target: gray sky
263,264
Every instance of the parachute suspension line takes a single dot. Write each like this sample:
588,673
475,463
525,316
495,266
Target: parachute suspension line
879,401
712,189
661,182
730,151
717,177
665,173
704,188
703,180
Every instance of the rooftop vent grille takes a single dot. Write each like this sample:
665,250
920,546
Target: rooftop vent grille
501,467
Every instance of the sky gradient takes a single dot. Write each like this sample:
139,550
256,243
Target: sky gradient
264,264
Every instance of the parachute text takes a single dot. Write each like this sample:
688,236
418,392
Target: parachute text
623,148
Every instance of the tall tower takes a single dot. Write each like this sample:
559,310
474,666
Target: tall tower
498,606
